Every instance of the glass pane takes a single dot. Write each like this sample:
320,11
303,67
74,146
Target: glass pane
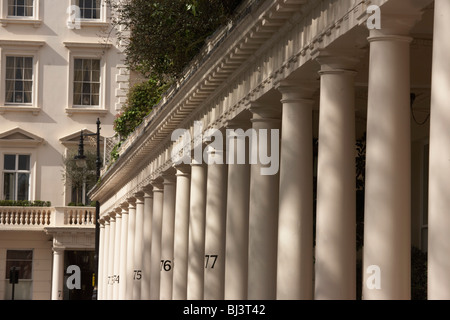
9,186
27,97
77,99
10,162
28,62
23,186
19,255
27,74
95,88
9,73
24,162
95,100
78,64
18,98
95,76
95,64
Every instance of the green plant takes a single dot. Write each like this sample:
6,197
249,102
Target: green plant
24,203
141,98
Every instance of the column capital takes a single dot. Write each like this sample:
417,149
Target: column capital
292,91
182,169
131,202
338,61
169,176
264,111
112,216
234,123
139,196
148,191
157,184
58,250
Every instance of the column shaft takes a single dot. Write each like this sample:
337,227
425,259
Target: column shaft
181,240
197,233
106,260
439,184
167,241
101,262
155,268
295,223
238,194
215,223
138,246
123,280
387,214
112,234
58,274
336,187
130,248
147,243
117,255
263,214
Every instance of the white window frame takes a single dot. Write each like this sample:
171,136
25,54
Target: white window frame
87,51
100,22
12,48
32,171
33,20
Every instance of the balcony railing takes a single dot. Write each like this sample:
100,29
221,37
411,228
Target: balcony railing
38,218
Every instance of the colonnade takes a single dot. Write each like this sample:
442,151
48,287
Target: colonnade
227,231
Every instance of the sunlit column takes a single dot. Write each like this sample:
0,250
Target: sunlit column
295,223
263,214
117,253
147,243
138,245
197,232
439,182
101,263
155,267
335,264
112,235
215,223
58,273
130,247
167,236
181,240
106,259
238,194
387,213
123,279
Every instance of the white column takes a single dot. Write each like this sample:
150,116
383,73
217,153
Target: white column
123,280
106,259
138,245
117,258
112,234
147,243
215,223
155,268
167,236
181,240
58,273
263,214
295,222
439,182
387,213
335,266
197,232
130,275
238,193
101,262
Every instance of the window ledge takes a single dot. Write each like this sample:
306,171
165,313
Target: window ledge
71,111
34,110
94,23
34,22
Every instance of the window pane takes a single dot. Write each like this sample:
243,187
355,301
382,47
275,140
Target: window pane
95,100
23,186
10,162
9,186
24,162
19,255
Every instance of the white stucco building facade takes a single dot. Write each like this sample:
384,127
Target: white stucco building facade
61,69
309,70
